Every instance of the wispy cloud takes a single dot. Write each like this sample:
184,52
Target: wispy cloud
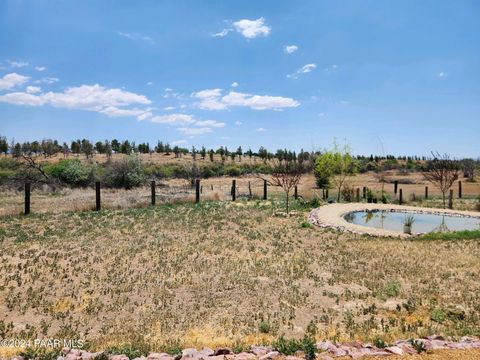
11,80
18,64
213,99
442,75
261,129
188,124
290,49
40,68
135,36
303,70
222,33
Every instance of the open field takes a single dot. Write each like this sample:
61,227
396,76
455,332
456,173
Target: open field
223,273
219,188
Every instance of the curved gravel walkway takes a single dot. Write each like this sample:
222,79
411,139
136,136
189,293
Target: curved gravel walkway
332,216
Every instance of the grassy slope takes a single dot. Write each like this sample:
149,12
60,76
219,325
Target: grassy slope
211,274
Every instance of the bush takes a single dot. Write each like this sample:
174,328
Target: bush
232,171
72,172
126,173
289,347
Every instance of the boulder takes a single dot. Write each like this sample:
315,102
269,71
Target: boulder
394,350
272,355
261,350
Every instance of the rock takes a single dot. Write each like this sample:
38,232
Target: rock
290,357
353,344
118,357
189,353
324,357
158,356
222,351
337,351
323,345
245,356
59,357
71,356
141,358
272,355
394,350
261,350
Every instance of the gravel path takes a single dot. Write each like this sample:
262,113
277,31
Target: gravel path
332,216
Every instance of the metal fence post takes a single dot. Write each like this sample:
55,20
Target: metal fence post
152,187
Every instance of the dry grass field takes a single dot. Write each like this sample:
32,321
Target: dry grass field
223,273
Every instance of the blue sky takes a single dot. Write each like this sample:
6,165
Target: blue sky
295,74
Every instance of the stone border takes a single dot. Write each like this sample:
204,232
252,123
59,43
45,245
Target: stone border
332,216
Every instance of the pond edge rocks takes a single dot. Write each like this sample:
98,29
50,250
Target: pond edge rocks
332,216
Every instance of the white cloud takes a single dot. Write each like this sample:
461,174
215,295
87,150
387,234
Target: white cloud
290,49
210,123
180,142
252,28
169,108
261,129
135,36
238,123
303,70
22,98
40,68
234,84
222,33
48,80
113,111
33,89
18,64
111,102
11,80
150,83
187,123
173,119
441,75
195,131
213,100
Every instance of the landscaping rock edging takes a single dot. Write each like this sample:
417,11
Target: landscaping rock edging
326,351
332,216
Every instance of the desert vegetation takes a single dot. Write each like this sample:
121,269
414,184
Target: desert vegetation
137,278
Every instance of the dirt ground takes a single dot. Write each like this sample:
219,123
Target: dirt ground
211,274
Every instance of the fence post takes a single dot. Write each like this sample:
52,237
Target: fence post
364,192
295,192
358,194
395,187
450,200
400,197
27,198
97,196
264,189
326,194
152,187
197,190
234,189
426,192
459,189
249,190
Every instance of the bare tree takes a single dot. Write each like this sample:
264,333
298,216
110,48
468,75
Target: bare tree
287,175
442,171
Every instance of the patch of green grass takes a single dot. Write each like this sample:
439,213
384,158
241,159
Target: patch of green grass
456,235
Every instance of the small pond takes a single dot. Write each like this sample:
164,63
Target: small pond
422,223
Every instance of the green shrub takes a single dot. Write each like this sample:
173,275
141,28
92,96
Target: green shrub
264,327
126,173
9,164
379,343
72,172
290,347
438,315
392,289
232,170
40,353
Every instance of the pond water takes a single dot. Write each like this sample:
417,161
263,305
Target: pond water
422,223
